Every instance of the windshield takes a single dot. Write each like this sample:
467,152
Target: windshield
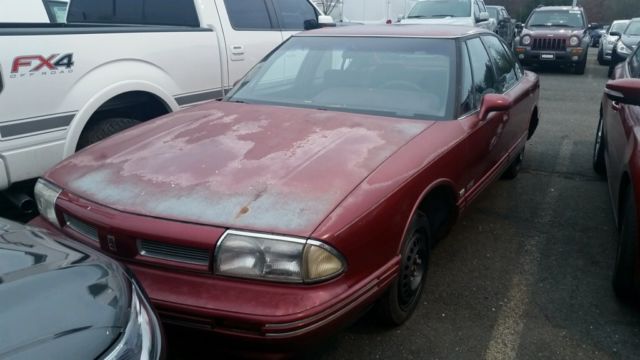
633,29
440,8
557,18
493,12
619,26
397,77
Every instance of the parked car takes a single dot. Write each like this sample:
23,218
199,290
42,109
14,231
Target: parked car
451,12
63,94
616,154
596,32
608,41
371,143
506,26
61,299
626,44
33,11
555,35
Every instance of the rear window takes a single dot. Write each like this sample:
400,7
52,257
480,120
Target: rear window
135,12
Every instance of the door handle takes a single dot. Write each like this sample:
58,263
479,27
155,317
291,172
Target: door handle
237,50
616,106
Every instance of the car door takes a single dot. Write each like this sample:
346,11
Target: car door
482,152
515,123
620,122
250,32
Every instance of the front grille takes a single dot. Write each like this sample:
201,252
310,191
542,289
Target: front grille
81,227
549,44
173,252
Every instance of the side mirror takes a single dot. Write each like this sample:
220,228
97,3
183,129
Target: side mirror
311,24
624,91
326,21
483,16
493,103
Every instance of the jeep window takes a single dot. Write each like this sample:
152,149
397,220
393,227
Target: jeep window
440,9
137,12
633,29
557,18
396,77
506,75
482,69
248,14
293,13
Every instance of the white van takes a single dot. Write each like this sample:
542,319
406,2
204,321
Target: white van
451,12
372,11
33,11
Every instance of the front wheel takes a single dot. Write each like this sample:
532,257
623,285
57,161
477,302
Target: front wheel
601,59
626,280
581,66
598,149
403,296
514,168
102,129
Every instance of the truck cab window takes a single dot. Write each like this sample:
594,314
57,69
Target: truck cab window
248,14
293,13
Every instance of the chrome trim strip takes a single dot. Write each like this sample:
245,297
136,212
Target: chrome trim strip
34,126
199,97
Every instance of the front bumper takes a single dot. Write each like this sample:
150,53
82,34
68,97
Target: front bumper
529,57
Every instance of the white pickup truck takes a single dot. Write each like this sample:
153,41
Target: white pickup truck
116,63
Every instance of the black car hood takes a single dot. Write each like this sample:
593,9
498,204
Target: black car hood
57,298
630,41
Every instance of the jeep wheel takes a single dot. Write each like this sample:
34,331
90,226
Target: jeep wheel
581,66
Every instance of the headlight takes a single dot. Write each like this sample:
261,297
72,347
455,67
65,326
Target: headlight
526,40
142,338
46,195
275,258
623,49
574,41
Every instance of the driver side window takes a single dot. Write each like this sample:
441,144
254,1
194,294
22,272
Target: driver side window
484,80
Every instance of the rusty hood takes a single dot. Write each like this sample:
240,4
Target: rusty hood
252,167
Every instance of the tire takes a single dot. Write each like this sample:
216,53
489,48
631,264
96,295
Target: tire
598,149
626,280
601,59
514,168
403,296
613,63
102,129
581,66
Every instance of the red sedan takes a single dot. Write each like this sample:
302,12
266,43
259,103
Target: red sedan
314,189
616,154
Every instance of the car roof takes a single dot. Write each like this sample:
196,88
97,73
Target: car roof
398,30
543,8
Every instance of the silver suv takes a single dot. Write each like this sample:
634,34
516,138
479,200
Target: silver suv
608,41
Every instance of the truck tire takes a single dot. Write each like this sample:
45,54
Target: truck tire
102,129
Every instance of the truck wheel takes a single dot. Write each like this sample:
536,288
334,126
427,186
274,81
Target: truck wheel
626,280
598,149
581,66
514,168
102,129
403,296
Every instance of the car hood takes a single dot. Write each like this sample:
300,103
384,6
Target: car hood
57,297
630,41
441,21
251,167
552,32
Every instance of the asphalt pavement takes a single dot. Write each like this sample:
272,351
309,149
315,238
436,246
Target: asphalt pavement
525,273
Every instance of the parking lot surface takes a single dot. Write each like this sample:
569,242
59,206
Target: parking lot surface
525,272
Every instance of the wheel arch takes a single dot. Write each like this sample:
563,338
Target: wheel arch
105,98
533,123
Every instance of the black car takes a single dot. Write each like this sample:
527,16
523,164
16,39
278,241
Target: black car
626,45
62,300
506,25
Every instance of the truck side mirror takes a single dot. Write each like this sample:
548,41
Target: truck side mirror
311,24
326,21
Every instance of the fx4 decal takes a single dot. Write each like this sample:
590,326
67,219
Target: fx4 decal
34,64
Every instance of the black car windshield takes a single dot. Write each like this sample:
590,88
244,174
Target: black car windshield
493,12
440,8
619,27
557,18
397,77
633,29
